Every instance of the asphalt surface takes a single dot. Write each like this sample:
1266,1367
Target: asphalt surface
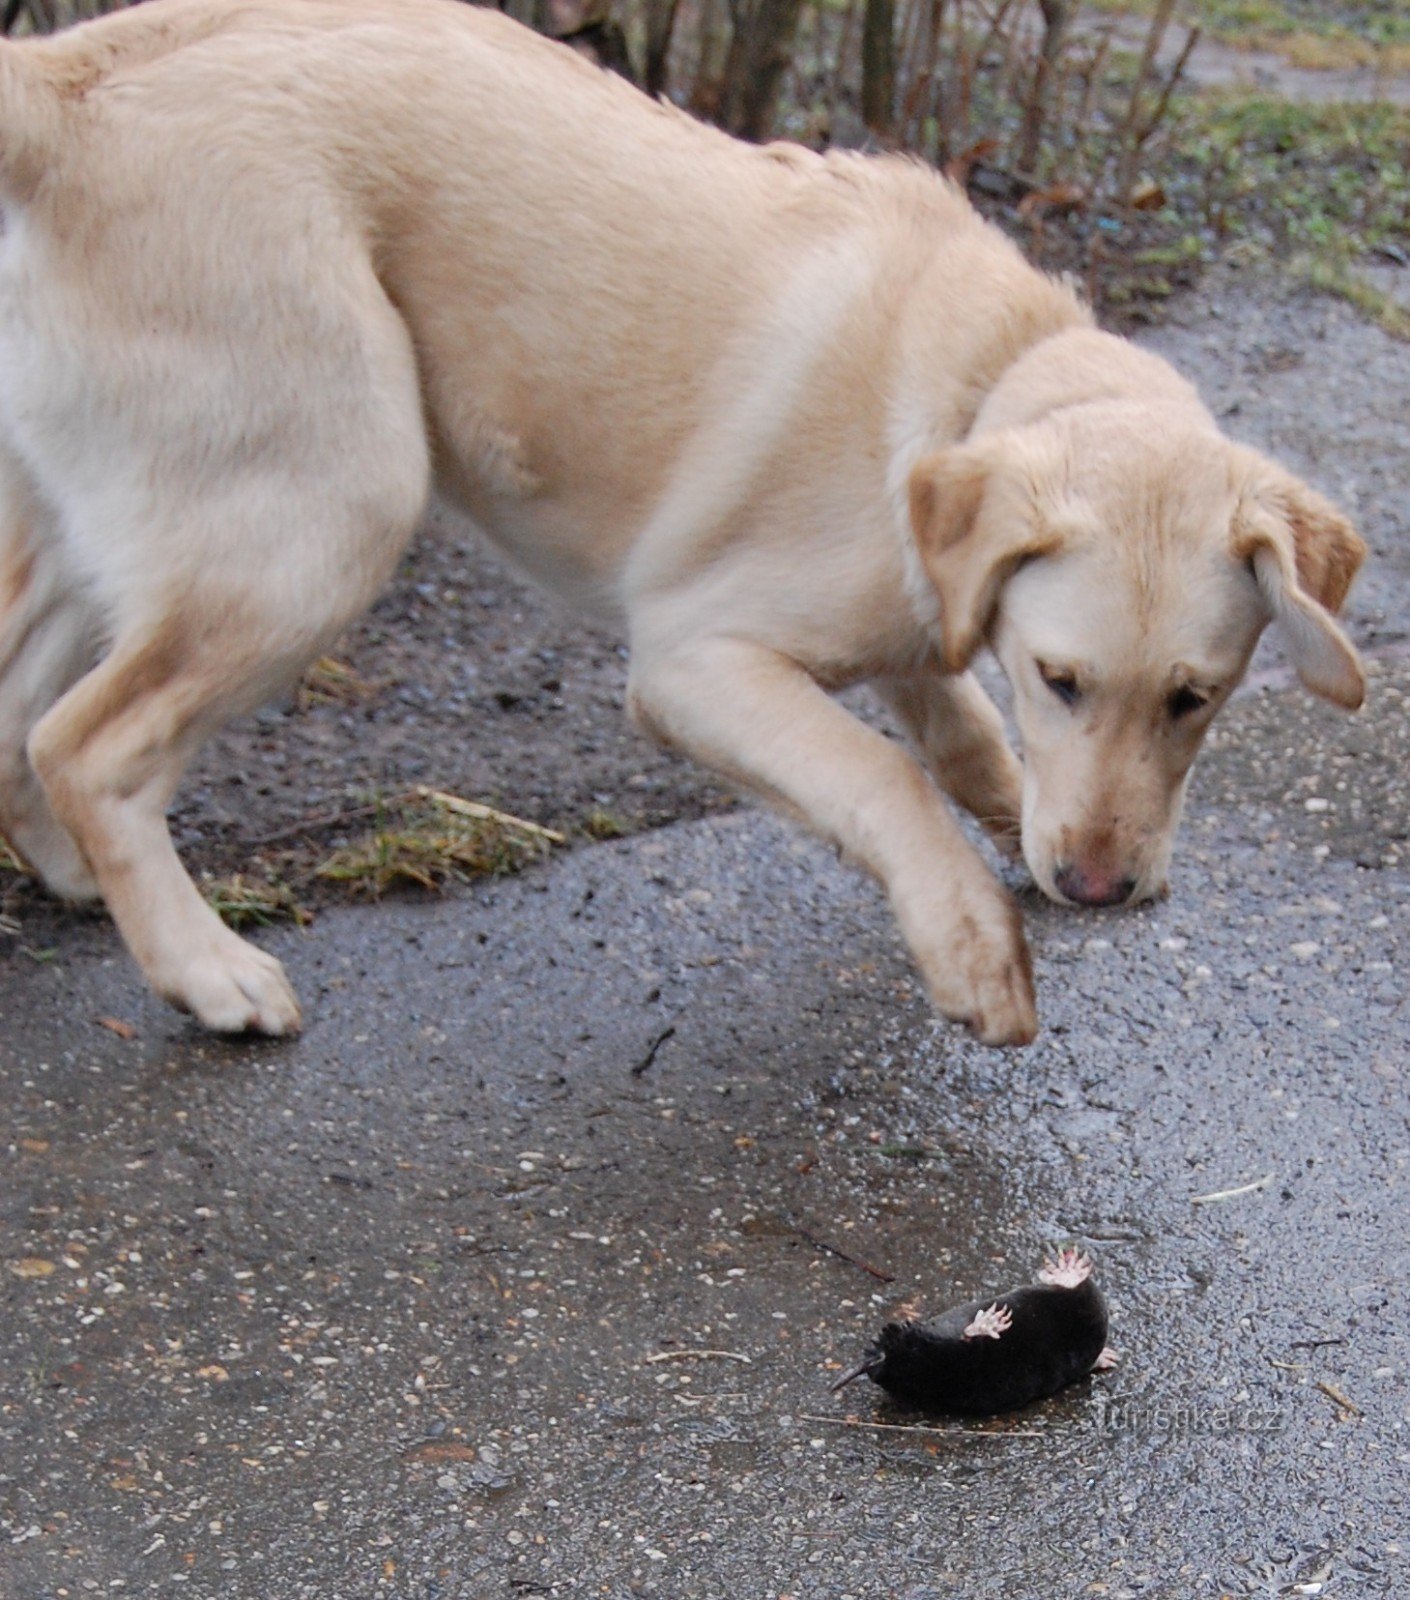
416,1305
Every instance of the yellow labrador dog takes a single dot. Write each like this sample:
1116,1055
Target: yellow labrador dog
270,269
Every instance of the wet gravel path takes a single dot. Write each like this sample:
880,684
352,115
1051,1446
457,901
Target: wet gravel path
415,1306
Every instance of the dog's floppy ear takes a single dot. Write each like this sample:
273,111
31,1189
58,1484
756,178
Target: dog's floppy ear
973,530
1304,554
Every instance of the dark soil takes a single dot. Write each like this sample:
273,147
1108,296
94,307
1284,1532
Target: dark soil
480,685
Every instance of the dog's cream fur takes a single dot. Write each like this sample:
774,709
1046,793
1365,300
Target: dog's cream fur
269,268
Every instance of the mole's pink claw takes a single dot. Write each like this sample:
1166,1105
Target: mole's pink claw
1069,1268
991,1323
1107,1361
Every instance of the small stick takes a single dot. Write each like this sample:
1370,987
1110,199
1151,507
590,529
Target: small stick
1127,141
1333,1393
698,1355
1153,121
1314,1344
943,1433
449,802
644,1064
834,1250
483,813
1229,1194
312,824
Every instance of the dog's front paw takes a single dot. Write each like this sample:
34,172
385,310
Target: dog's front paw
976,964
235,988
1006,1011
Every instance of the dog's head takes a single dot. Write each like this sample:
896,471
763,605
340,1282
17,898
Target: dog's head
1122,559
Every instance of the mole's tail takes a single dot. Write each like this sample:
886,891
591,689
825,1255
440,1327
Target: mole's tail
30,112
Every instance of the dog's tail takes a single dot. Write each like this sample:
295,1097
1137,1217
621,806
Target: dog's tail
30,109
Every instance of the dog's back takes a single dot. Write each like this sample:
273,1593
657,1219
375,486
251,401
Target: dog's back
489,178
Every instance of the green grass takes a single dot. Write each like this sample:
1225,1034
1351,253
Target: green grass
1315,190
1318,187
603,824
1307,33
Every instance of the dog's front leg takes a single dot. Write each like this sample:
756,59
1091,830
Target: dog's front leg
758,718
959,734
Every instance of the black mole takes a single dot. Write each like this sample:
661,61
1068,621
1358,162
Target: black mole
996,1355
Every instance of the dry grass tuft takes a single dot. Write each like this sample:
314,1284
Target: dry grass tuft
332,682
246,902
431,839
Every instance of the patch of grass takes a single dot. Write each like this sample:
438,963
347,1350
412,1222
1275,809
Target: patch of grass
1335,278
241,901
1306,33
1179,252
9,861
1314,187
332,682
1331,52
601,824
432,840
906,1152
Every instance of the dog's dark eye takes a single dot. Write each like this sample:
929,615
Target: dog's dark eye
1061,682
1186,701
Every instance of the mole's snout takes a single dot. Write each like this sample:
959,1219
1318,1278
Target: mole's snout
1091,886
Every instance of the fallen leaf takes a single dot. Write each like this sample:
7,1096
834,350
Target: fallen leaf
124,1030
32,1267
1146,195
214,1371
957,168
1061,197
439,1450
36,1147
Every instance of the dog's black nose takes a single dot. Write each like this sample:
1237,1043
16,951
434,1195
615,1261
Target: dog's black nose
1092,887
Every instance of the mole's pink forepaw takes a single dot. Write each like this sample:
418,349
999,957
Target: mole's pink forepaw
1069,1268
991,1323
1107,1361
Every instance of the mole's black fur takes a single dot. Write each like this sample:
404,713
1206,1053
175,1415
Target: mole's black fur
996,1355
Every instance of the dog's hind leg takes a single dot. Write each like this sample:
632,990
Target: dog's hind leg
47,642
276,580
110,755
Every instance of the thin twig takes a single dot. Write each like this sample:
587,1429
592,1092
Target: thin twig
473,809
900,1427
1333,1393
479,812
1125,139
1229,1194
698,1355
1177,72
644,1064
834,1250
329,819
